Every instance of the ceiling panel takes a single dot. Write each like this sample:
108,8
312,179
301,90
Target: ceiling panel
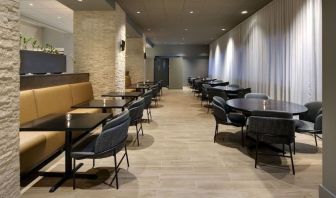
167,19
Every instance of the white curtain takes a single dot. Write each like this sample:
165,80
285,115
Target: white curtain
277,51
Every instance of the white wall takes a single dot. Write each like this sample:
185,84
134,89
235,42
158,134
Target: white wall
328,186
276,51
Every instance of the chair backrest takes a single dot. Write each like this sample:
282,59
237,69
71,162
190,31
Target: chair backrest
314,109
148,98
257,96
272,126
155,90
219,112
205,88
234,85
242,93
318,123
212,92
136,109
114,134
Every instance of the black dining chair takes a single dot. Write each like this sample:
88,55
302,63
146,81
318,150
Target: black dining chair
155,91
148,101
223,117
136,113
108,143
212,92
272,127
204,96
242,93
261,96
311,121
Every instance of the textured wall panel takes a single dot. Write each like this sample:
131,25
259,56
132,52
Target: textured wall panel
9,112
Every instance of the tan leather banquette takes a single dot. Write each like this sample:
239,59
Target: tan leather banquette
36,147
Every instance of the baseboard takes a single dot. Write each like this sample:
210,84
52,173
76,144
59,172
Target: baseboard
325,193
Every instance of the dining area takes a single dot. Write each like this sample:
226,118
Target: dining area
262,120
63,118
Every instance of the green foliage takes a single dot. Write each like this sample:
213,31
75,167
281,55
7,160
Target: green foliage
48,48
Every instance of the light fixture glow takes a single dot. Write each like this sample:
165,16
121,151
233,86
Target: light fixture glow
223,29
138,12
59,17
191,12
186,29
79,0
31,4
244,12
149,29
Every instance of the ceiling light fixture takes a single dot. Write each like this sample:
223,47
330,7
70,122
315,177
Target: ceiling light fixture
191,12
244,12
79,0
59,17
223,29
186,29
138,12
31,4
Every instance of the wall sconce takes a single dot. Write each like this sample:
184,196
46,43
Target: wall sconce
122,45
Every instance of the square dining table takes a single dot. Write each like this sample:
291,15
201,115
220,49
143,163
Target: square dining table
104,104
63,124
123,95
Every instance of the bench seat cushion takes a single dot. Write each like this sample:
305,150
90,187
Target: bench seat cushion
36,146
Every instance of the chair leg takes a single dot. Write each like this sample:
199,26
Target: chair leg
150,113
291,156
315,140
256,153
148,120
74,175
216,132
242,136
126,155
116,170
283,150
141,128
294,147
93,163
137,133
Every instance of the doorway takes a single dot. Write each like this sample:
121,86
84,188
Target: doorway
161,70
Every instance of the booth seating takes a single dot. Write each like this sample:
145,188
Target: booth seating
36,147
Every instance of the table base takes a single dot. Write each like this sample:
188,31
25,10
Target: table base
66,176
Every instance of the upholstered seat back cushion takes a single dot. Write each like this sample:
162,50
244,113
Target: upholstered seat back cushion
28,110
51,100
81,92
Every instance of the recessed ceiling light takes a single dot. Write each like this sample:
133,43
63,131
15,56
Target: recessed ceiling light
149,29
138,12
31,4
80,0
191,12
244,12
223,29
186,29
59,17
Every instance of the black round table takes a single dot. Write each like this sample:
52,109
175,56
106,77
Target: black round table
249,105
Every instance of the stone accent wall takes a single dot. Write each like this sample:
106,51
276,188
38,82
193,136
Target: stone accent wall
97,37
135,62
9,116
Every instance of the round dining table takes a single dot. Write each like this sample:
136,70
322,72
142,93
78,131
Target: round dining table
247,105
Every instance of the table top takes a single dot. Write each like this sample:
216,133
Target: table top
101,104
140,86
58,122
249,105
123,94
227,88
